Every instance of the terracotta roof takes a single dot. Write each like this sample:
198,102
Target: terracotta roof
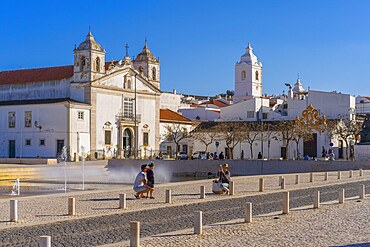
366,97
38,74
166,115
215,102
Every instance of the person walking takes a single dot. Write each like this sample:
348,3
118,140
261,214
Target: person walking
150,178
140,183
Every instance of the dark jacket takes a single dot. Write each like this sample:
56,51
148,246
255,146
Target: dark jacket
224,177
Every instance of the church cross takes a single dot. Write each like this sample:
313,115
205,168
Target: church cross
126,46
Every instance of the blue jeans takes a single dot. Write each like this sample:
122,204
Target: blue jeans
224,186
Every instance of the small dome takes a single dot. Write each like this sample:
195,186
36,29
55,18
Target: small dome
248,57
89,43
298,87
145,55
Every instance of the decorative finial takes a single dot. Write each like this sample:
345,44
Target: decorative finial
298,76
126,46
145,43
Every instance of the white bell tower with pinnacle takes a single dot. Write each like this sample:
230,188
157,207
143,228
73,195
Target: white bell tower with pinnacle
248,76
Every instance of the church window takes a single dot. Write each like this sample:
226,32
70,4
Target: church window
154,74
107,137
146,139
11,119
244,75
128,108
82,63
257,76
28,119
129,86
141,70
80,115
97,64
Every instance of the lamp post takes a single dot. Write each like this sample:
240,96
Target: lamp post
135,131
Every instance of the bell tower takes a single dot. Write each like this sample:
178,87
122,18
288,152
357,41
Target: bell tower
89,60
248,76
148,65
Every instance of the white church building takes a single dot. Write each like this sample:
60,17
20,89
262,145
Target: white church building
92,106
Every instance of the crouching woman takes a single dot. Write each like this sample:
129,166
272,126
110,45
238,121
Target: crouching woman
224,178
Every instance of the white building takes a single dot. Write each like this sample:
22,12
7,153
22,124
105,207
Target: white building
90,103
250,106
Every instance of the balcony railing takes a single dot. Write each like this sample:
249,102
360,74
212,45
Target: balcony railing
128,117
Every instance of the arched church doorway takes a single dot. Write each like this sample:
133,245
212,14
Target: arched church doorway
127,142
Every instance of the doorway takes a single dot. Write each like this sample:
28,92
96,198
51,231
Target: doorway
11,148
60,145
127,142
310,146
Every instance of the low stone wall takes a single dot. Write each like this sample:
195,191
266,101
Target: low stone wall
239,167
28,161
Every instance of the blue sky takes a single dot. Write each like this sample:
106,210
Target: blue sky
198,42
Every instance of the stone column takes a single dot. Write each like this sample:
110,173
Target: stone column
326,176
311,177
316,200
202,192
280,178
122,201
361,173
248,212
339,175
168,196
282,183
198,222
350,174
232,188
13,210
362,191
341,196
286,202
134,234
45,241
297,179
71,206
261,185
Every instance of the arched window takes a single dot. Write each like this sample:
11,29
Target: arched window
154,74
257,76
97,64
141,70
82,63
244,75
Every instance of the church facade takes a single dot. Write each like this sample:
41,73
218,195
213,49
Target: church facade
93,107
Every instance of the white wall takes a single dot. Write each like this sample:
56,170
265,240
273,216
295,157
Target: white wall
208,114
171,101
53,120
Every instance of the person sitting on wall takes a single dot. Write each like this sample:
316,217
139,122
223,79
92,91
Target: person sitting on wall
221,156
259,156
140,183
215,156
224,178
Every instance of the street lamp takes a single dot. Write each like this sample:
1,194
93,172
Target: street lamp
135,131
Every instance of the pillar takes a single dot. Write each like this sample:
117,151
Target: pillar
13,210
286,202
232,188
341,196
362,191
134,234
316,199
248,212
202,192
122,201
45,241
198,222
168,196
261,185
71,206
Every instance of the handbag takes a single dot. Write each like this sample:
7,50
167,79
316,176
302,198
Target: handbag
216,187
